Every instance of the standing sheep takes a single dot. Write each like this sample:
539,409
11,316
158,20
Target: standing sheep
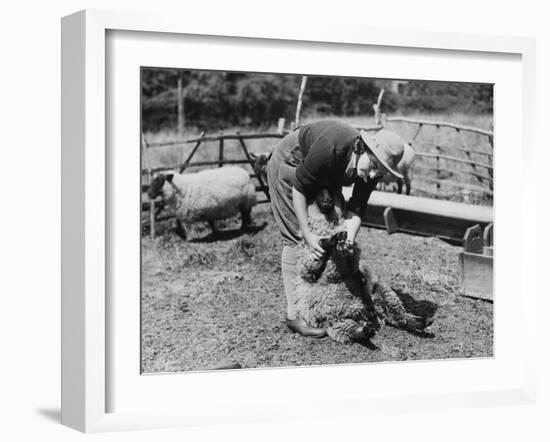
404,167
206,196
339,293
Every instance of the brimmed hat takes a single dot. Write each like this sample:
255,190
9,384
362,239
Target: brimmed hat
387,147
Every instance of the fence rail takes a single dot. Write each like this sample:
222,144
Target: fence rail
453,172
440,124
455,159
204,139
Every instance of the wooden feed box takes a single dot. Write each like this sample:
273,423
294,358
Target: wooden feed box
476,263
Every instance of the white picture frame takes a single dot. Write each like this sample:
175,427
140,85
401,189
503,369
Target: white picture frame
85,307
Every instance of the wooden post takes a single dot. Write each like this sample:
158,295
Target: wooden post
220,153
152,210
437,167
437,159
416,133
181,105
281,126
376,107
188,160
149,180
491,159
488,240
299,104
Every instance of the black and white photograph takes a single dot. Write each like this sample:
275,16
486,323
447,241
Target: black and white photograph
244,221
302,220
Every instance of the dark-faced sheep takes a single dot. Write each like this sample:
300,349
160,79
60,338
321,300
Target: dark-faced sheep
259,163
338,292
207,196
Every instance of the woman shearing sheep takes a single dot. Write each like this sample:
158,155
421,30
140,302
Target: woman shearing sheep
327,154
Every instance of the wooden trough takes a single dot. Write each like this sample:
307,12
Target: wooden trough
423,216
458,223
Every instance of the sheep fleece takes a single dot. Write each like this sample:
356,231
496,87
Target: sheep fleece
213,194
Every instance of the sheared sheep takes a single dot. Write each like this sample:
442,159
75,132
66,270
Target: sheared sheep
207,196
404,167
338,292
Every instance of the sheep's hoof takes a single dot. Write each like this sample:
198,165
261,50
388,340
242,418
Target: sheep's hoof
180,231
418,324
362,333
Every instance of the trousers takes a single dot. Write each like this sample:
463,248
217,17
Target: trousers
289,270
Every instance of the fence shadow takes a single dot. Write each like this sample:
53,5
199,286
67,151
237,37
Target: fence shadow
226,235
422,307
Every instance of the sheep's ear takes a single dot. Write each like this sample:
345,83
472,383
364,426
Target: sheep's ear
169,177
326,243
253,156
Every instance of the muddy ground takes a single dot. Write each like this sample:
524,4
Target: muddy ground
219,300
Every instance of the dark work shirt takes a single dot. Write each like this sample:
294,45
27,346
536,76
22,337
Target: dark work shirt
321,159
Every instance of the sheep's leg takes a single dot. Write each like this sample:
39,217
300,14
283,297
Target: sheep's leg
407,184
212,225
399,185
392,310
180,231
368,283
246,219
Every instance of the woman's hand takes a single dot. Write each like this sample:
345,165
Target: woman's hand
312,240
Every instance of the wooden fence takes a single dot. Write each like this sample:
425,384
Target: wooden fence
221,141
201,140
436,167
459,166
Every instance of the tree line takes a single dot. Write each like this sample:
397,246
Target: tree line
215,100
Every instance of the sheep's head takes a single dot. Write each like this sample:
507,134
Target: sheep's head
161,185
325,200
260,163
